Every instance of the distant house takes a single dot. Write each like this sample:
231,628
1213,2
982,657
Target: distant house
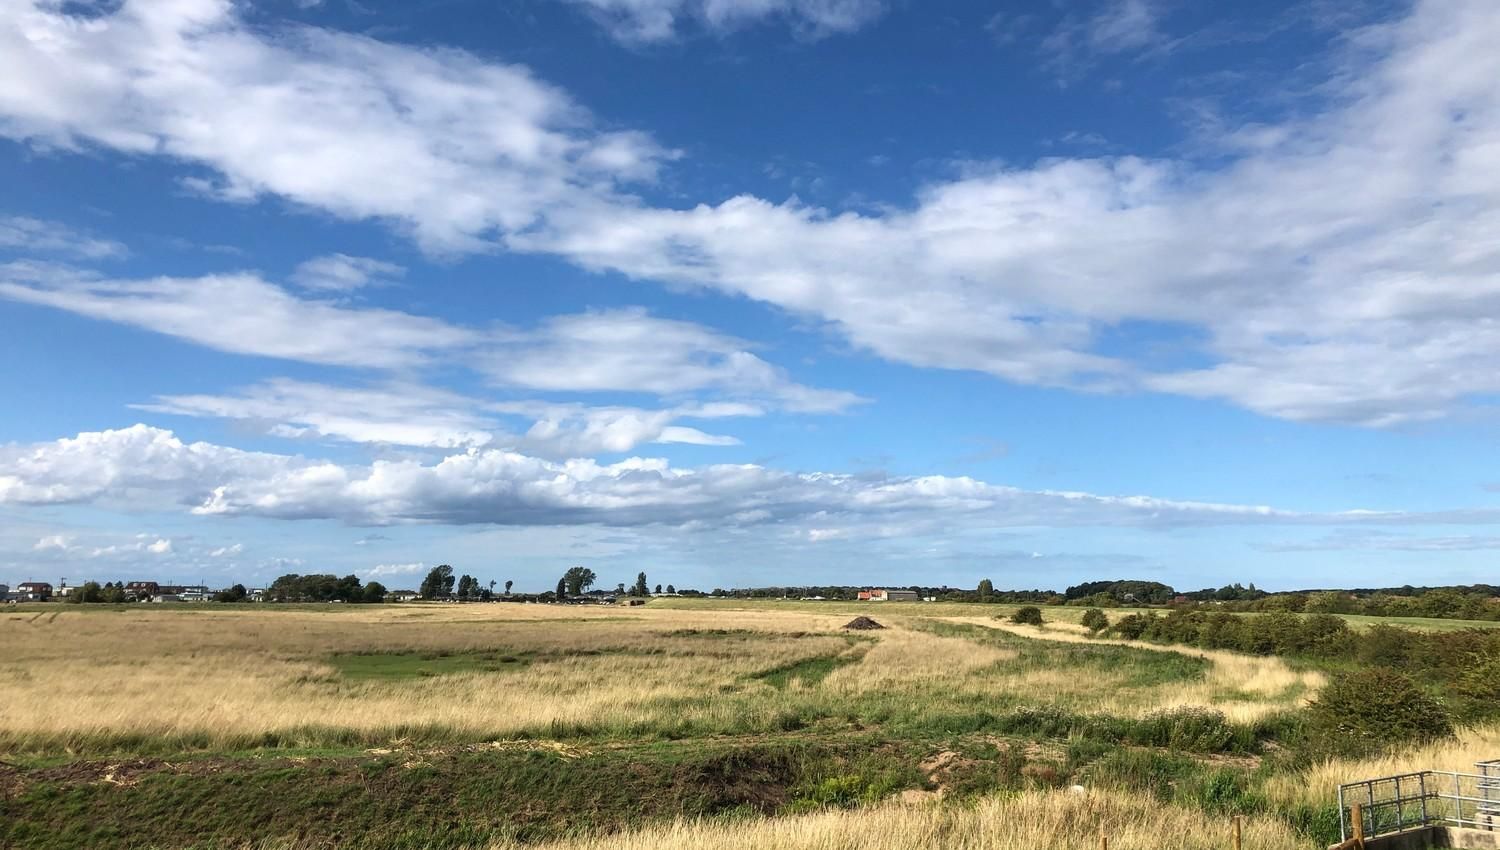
256,594
195,593
33,591
865,595
882,595
4,592
141,589
402,596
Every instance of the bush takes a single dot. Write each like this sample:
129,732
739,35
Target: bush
1132,626
1374,708
1028,615
1095,621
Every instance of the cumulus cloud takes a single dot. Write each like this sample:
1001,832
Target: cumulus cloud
1338,265
142,466
343,273
643,21
227,551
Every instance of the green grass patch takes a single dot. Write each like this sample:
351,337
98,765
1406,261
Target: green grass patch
808,671
394,666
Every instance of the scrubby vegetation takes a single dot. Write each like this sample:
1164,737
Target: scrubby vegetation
1456,664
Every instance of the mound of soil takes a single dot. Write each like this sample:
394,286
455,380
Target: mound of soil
862,624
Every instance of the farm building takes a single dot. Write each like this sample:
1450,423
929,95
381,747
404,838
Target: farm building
883,595
33,591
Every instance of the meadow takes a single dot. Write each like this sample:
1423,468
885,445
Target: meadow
694,723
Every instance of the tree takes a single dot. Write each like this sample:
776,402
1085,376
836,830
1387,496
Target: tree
562,588
113,593
579,579
1028,615
658,590
620,589
492,587
373,592
89,591
438,584
236,593
468,587
640,588
508,584
671,590
1095,621
986,590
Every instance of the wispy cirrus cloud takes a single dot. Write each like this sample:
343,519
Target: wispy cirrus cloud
652,21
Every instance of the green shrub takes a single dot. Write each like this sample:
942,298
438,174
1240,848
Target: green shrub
1372,709
1095,621
1028,615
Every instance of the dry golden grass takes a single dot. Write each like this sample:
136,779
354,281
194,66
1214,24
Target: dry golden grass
1244,687
232,676
1317,785
1056,820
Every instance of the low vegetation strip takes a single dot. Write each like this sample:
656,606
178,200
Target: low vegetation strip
1056,820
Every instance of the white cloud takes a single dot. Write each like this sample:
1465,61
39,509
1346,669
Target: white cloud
337,121
1339,265
242,314
624,350
227,551
35,236
160,546
343,273
385,570
53,542
400,413
632,351
644,21
141,467
409,414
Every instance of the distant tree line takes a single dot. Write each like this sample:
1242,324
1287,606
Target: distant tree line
323,588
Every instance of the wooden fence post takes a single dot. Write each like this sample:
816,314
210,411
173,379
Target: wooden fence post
1237,838
1357,815
1103,838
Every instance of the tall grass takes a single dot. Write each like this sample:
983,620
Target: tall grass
1029,821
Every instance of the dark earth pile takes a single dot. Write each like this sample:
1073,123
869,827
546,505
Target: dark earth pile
862,624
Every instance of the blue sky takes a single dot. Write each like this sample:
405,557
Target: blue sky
744,292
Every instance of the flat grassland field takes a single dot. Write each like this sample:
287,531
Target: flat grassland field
685,724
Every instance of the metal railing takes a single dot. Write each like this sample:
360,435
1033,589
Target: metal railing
1425,798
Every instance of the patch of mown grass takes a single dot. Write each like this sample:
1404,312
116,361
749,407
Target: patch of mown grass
392,666
808,671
